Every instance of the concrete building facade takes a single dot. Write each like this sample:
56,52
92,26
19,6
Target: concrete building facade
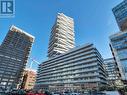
79,69
14,53
62,35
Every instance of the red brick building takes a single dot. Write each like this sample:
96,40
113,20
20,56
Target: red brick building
29,79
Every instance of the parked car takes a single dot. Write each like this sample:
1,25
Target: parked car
74,93
66,93
55,93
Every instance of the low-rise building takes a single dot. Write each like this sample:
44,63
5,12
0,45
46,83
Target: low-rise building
113,73
79,69
29,79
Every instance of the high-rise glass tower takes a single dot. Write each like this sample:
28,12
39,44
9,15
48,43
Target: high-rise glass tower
118,41
118,44
120,12
14,53
62,35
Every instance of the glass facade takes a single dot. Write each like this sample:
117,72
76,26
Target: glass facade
112,70
120,12
119,48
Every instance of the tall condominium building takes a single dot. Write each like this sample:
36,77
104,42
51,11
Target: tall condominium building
118,44
120,12
80,68
112,70
29,78
14,53
62,35
118,41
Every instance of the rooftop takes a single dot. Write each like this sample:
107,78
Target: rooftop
20,30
